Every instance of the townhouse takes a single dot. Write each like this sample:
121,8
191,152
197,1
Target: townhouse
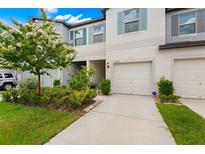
135,47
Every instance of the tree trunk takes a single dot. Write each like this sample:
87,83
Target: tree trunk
39,84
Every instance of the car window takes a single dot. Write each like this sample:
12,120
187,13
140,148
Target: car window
0,75
8,75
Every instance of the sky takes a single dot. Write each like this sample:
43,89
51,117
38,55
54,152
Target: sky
69,15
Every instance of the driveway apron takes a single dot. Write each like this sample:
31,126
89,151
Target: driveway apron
120,119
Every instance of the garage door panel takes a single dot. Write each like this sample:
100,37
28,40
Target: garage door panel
132,78
189,78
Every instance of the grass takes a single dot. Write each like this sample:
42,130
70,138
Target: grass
186,126
28,125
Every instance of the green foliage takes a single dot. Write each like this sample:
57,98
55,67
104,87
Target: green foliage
105,87
186,126
165,87
83,79
28,83
166,91
169,98
34,47
56,97
93,85
90,95
29,97
56,82
76,98
22,125
11,95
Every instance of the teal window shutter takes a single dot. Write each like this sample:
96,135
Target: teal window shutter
104,32
120,23
142,19
84,36
90,37
71,38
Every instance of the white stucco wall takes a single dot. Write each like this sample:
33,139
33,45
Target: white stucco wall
135,46
90,51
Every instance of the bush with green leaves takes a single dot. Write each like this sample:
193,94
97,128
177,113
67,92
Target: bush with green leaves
28,83
90,95
105,86
29,97
166,91
76,98
165,87
82,80
56,82
93,85
11,95
55,95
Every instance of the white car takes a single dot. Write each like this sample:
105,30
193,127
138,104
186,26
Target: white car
7,80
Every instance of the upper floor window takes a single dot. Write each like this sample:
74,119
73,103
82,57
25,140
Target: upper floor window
98,34
80,37
131,20
187,23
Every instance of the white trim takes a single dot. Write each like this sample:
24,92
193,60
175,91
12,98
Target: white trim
195,24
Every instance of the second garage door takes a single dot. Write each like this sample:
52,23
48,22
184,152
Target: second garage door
132,78
189,78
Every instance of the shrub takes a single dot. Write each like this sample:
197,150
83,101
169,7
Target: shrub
93,85
169,98
76,98
166,91
55,95
105,87
82,79
165,87
56,82
29,97
28,83
90,95
11,95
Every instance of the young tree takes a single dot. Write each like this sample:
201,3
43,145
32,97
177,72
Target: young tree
35,47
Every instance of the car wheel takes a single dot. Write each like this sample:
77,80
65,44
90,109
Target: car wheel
8,86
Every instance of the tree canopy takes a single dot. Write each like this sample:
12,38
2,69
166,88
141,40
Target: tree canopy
35,46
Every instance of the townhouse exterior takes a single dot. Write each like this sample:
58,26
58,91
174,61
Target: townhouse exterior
135,47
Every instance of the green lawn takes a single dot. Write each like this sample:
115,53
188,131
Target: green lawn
186,126
27,125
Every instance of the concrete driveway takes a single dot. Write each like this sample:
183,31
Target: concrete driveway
120,119
196,105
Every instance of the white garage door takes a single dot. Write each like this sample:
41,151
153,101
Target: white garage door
132,78
189,78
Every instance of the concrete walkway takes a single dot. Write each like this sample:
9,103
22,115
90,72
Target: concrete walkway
197,106
120,119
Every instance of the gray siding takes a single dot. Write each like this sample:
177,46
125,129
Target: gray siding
172,33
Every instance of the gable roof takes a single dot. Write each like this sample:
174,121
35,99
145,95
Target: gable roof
74,25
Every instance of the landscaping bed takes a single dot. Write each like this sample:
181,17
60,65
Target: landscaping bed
20,124
186,126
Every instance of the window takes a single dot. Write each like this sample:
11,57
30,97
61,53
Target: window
1,75
131,20
98,34
8,75
187,23
79,40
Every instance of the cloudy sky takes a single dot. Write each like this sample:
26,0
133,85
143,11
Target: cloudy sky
69,15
